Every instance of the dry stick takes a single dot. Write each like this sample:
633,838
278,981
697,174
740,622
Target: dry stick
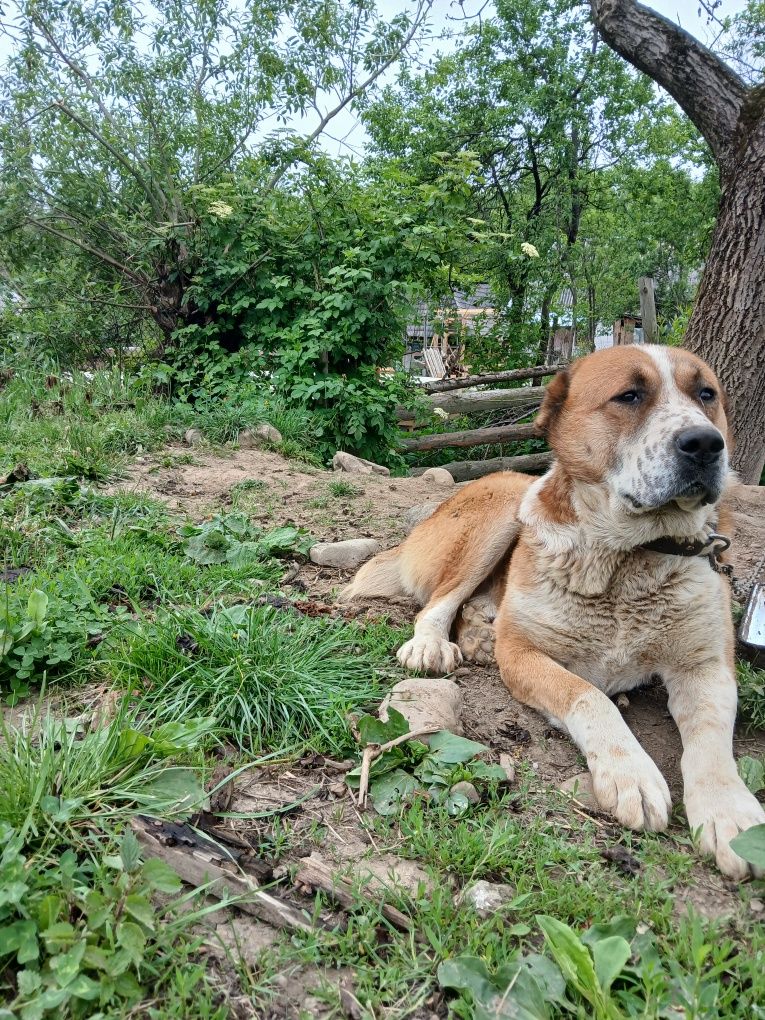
444,385
314,872
372,751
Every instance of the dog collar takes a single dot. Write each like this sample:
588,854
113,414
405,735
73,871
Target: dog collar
713,546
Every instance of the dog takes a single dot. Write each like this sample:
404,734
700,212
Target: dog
600,575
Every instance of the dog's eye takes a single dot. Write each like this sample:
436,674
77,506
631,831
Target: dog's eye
628,397
706,394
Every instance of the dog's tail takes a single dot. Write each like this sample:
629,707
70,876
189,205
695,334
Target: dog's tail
379,578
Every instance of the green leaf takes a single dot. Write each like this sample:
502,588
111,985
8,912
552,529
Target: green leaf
131,938
66,966
571,956
59,936
450,749
610,956
177,791
389,791
622,925
28,981
752,771
457,804
750,845
160,876
467,973
130,852
19,938
141,909
49,910
37,607
373,731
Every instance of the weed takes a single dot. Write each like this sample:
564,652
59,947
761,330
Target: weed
340,489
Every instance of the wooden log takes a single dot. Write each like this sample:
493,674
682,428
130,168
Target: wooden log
442,385
470,437
486,400
199,866
648,310
314,872
467,470
473,402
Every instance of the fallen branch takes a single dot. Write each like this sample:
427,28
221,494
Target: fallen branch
314,872
470,437
198,865
442,385
467,470
372,751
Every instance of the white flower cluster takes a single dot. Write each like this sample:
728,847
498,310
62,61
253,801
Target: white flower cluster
530,250
221,210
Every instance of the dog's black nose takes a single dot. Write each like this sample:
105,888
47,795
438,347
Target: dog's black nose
700,444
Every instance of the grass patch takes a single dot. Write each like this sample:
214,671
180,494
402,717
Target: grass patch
751,695
270,678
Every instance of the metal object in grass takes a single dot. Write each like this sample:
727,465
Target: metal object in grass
752,629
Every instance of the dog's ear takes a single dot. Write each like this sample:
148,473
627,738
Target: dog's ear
552,404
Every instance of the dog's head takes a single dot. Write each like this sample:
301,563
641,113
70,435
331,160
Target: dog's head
647,422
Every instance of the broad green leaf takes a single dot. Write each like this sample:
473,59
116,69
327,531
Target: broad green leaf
160,876
750,845
37,607
467,973
141,909
546,975
457,803
177,791
131,938
19,938
384,763
130,852
389,791
571,956
373,731
610,956
752,771
66,966
622,925
450,749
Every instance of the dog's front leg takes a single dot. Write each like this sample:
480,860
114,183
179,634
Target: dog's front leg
625,779
717,801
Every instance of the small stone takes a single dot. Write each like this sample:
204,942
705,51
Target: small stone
581,789
756,906
467,790
486,898
250,439
357,465
462,671
193,437
622,702
426,702
438,476
344,555
506,762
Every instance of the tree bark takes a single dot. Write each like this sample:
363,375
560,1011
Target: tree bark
727,327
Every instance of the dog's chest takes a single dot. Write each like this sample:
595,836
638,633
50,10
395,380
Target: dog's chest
656,613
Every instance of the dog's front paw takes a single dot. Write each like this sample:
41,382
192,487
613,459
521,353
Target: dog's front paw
430,655
718,813
629,786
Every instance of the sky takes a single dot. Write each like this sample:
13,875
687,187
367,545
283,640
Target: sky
346,133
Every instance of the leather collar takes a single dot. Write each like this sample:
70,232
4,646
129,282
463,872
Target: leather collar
713,546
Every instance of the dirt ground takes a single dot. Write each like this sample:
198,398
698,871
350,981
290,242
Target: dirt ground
288,492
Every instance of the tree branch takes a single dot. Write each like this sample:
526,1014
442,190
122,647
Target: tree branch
706,88
102,255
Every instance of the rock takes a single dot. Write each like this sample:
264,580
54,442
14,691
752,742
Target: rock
580,788
438,476
193,437
250,439
506,762
486,898
357,465
467,790
426,702
622,702
344,555
756,906
417,514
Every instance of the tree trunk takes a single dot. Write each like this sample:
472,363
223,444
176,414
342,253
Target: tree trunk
727,327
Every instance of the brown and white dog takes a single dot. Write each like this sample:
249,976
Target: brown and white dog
583,610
